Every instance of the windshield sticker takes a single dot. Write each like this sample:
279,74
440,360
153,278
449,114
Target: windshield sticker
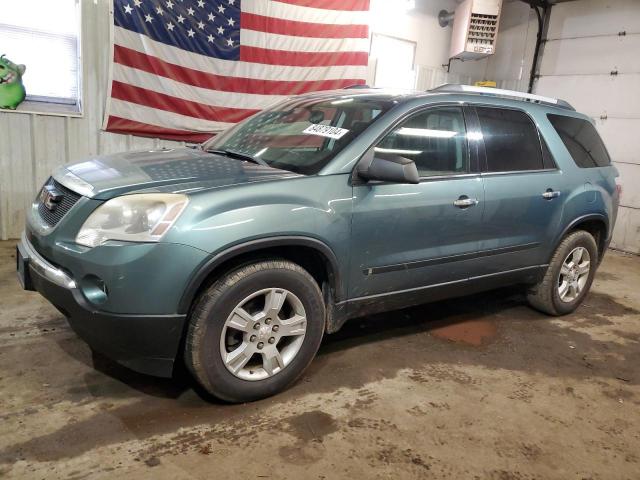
325,131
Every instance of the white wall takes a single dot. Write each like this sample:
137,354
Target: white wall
419,25
583,49
510,66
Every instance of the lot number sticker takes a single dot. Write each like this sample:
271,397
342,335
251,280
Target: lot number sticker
325,131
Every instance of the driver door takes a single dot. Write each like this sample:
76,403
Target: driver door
411,236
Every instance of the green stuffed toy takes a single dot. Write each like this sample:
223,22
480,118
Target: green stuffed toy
12,92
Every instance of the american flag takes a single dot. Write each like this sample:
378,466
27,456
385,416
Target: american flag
183,69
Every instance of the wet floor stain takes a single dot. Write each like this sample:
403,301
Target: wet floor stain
598,309
470,332
312,425
309,428
606,276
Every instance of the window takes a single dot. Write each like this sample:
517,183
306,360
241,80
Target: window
434,139
511,140
302,135
44,36
582,140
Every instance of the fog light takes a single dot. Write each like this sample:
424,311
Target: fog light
94,289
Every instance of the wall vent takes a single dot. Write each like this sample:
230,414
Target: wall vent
475,29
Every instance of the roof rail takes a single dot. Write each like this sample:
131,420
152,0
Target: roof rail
498,92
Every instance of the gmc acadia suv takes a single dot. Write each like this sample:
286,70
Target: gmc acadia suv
238,255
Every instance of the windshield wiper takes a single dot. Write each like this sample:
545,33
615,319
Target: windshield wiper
241,156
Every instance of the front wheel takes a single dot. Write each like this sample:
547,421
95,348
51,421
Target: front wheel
568,277
255,330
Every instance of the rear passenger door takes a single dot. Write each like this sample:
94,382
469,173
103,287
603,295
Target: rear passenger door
523,191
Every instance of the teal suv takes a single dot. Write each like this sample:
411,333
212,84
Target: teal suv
236,256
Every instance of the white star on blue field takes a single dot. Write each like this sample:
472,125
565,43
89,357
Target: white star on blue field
210,27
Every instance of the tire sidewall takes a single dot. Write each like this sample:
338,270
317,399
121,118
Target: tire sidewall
226,385
579,239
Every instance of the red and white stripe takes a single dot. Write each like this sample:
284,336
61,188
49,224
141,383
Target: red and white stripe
288,47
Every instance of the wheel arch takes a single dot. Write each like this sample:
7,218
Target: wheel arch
596,224
310,253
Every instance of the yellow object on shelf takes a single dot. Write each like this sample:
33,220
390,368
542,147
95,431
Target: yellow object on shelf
486,83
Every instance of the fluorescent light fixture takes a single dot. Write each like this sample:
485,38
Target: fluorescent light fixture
396,194
426,132
261,152
344,100
398,151
474,135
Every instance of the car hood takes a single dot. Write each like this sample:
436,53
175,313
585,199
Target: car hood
167,170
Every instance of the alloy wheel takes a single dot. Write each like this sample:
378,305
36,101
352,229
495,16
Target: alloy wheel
574,274
263,334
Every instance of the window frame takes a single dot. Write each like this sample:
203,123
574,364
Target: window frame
38,105
482,153
473,169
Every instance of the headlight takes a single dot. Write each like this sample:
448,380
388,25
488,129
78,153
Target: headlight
143,217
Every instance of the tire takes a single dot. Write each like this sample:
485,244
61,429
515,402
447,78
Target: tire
211,333
546,295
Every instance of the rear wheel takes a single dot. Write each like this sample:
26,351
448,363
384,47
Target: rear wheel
568,277
255,330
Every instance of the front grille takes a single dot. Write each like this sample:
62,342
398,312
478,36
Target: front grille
69,199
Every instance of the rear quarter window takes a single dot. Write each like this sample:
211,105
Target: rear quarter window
582,140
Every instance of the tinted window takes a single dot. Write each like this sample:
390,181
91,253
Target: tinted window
511,140
582,140
434,139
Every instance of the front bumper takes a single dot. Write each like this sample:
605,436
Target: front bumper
145,343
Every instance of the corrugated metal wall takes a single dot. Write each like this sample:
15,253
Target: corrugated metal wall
32,145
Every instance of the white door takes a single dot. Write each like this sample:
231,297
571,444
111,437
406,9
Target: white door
592,64
394,59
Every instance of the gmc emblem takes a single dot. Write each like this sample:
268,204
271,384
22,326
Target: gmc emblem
50,197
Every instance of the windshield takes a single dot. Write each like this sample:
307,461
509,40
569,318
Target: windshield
301,135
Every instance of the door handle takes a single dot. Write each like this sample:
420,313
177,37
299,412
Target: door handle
550,194
465,202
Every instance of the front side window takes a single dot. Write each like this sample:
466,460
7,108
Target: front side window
302,135
511,140
582,140
434,139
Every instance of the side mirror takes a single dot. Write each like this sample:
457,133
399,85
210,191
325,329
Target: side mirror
387,167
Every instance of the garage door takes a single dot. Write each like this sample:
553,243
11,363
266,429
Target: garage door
592,60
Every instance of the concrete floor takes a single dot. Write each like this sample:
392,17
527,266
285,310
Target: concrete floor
477,388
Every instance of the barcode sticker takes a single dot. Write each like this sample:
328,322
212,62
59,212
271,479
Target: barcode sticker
325,131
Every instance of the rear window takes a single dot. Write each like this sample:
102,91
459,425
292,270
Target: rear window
511,140
582,140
